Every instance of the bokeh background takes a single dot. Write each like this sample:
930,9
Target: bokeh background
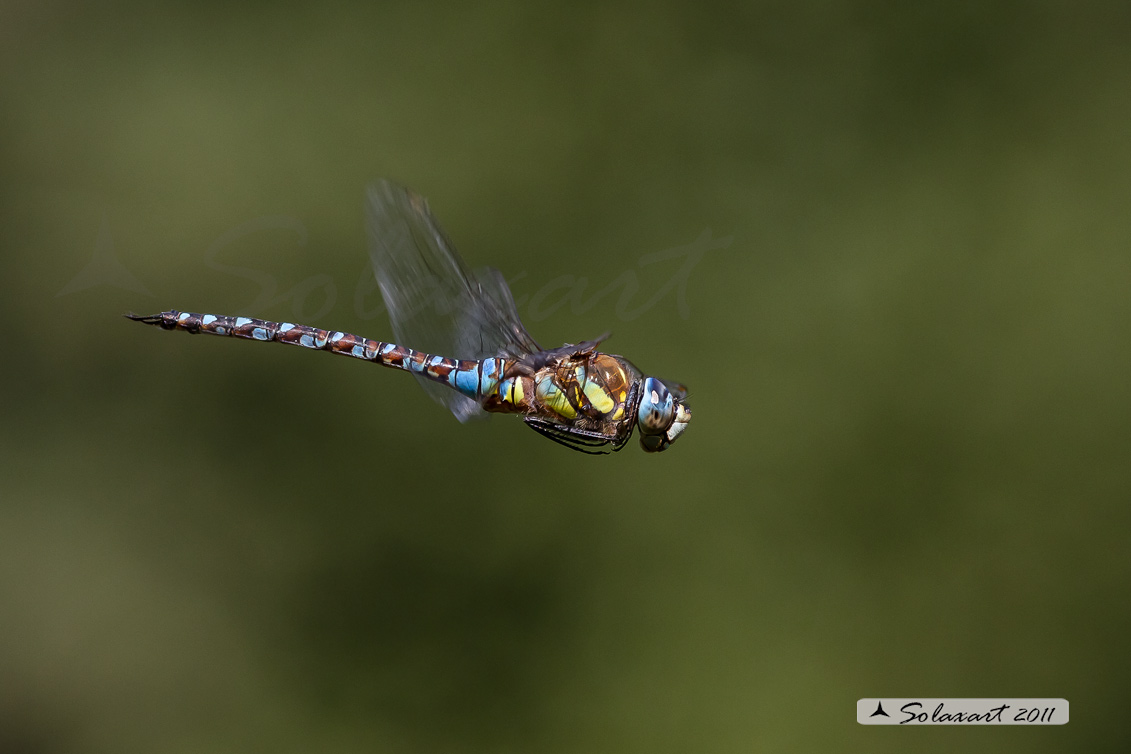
907,349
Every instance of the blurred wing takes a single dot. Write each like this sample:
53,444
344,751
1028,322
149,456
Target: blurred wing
435,305
676,389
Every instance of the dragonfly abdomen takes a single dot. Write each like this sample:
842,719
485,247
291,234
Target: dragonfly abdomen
471,378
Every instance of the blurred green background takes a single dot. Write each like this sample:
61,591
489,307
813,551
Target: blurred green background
908,468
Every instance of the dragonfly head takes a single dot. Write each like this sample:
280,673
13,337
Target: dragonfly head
661,415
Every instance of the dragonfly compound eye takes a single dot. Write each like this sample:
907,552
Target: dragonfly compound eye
662,418
654,443
657,408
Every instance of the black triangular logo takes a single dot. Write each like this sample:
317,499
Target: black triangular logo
879,710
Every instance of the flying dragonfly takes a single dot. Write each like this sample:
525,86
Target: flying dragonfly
475,357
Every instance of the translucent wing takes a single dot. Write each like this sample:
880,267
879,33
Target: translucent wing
676,389
434,303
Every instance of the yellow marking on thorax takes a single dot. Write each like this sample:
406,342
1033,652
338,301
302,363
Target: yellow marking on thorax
552,397
599,398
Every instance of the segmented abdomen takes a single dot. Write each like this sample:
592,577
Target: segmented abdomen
471,378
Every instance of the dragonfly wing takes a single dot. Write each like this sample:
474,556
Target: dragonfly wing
676,389
435,304
498,316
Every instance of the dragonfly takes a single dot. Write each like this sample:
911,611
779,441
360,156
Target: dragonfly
470,350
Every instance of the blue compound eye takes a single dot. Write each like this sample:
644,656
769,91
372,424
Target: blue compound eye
657,408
